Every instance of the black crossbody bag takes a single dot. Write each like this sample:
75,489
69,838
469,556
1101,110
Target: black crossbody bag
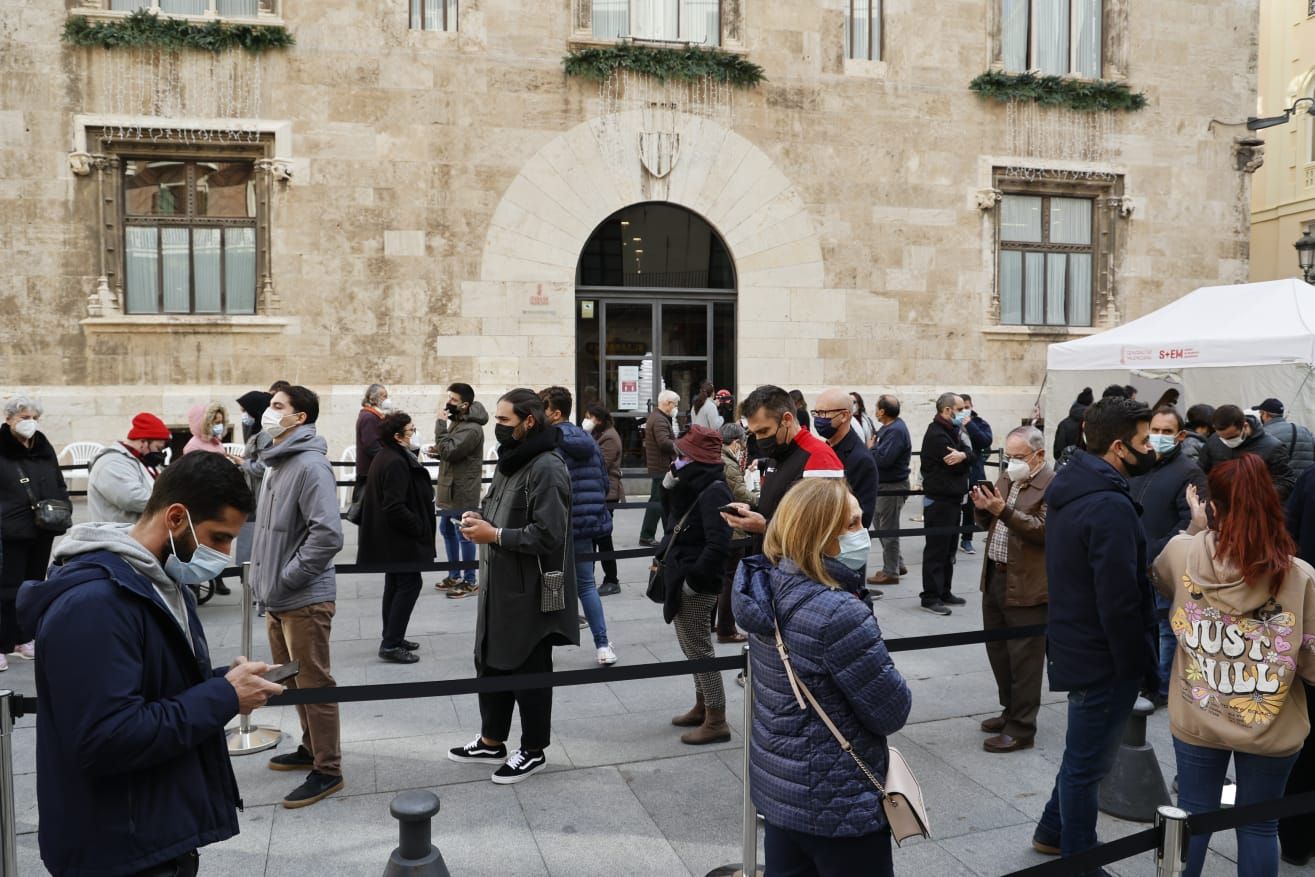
50,515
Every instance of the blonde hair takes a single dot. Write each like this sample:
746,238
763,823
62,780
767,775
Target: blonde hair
810,515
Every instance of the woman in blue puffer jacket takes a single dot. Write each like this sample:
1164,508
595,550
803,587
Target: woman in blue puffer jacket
823,815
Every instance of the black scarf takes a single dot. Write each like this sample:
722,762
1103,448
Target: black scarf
513,459
691,481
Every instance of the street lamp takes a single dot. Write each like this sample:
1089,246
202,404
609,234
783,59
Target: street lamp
1306,255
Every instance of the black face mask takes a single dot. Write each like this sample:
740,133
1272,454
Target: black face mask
154,459
506,435
774,448
453,409
1141,464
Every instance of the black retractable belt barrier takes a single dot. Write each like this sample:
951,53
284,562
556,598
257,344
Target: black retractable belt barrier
1096,857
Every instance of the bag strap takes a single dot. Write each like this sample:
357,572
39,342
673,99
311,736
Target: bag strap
799,688
680,525
27,484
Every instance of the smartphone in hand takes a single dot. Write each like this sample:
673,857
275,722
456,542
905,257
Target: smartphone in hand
282,672
733,511
985,485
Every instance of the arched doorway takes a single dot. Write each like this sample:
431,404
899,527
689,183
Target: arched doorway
655,310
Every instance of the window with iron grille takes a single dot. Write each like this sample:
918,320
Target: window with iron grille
1055,37
863,29
434,15
189,235
1045,260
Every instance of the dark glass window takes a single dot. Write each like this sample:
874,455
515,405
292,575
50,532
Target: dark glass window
656,245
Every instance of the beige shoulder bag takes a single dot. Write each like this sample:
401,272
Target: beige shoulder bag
901,796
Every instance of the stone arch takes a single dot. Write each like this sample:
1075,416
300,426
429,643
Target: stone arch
518,318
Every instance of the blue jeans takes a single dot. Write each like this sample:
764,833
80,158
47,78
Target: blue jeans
458,544
1259,778
1168,642
1096,717
590,602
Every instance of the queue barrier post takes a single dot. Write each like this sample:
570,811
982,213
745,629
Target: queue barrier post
416,855
246,738
1171,855
748,866
8,828
1134,788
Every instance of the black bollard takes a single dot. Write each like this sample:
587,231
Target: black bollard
1134,787
415,855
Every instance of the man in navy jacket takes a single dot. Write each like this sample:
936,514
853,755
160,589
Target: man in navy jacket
947,460
133,772
1101,636
981,438
892,452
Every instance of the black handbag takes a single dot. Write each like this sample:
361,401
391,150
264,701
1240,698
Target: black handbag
354,513
657,581
50,515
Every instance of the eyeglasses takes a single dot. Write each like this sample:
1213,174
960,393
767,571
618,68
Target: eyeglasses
1012,459
829,412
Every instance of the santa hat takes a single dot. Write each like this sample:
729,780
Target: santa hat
147,426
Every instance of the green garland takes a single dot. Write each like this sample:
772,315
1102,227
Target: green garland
143,29
663,64
1082,95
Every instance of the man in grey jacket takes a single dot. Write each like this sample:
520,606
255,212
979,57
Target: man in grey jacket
122,476
1297,439
298,534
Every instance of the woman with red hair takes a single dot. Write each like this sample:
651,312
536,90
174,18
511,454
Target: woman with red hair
1243,613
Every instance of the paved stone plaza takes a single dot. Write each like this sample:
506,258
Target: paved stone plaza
622,796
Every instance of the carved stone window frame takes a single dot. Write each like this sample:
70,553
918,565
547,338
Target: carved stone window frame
1114,50
731,20
1111,208
101,153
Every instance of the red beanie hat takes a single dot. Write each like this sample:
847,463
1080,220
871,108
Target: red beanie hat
148,426
700,444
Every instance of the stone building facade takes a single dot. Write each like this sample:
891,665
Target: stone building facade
422,195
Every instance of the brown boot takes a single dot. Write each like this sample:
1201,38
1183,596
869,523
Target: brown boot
693,718
713,730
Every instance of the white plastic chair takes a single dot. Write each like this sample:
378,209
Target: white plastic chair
342,473
79,454
426,461
168,456
235,449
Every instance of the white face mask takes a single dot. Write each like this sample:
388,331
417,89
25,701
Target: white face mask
386,405
1233,442
217,430
1018,470
272,422
26,428
855,548
588,424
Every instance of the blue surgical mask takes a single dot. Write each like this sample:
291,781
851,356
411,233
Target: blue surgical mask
1163,444
824,427
206,563
855,548
961,417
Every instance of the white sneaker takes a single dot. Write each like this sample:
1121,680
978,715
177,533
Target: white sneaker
27,651
4,665
606,657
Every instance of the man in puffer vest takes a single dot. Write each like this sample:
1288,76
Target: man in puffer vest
589,517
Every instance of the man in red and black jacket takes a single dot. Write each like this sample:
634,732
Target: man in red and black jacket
947,461
790,453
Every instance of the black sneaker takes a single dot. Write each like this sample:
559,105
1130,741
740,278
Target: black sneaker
410,645
936,608
876,593
647,543
301,759
523,764
398,655
222,589
317,787
477,752
952,600
607,589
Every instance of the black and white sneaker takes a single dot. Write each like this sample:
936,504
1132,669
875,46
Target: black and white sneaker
522,764
477,752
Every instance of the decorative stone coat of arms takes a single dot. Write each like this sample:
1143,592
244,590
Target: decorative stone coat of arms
659,151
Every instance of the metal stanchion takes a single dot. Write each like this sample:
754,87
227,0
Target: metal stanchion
247,738
748,867
8,830
1171,857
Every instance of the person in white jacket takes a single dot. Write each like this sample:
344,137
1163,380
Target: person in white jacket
123,474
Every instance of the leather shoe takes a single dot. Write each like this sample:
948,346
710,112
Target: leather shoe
880,578
993,726
903,570
1005,743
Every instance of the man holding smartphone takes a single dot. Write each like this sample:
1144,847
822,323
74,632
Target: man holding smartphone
133,772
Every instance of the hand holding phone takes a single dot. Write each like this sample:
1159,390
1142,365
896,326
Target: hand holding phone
282,672
732,510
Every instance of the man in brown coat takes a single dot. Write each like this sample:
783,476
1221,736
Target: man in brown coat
659,454
1014,590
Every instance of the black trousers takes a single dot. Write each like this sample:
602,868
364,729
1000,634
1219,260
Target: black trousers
795,854
535,703
401,590
938,552
1296,834
604,543
723,619
968,521
24,559
185,865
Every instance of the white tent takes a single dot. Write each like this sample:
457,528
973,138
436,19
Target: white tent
1219,344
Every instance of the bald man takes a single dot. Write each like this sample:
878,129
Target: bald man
833,421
